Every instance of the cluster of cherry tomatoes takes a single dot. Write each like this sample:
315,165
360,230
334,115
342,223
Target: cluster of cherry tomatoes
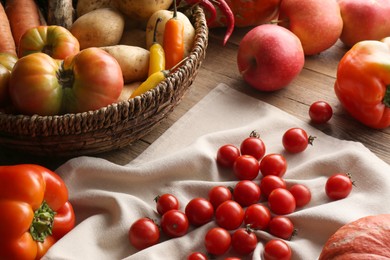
252,204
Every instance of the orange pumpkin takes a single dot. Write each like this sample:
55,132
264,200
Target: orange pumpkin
363,239
249,12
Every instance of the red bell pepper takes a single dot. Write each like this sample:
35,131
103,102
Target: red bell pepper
363,82
34,211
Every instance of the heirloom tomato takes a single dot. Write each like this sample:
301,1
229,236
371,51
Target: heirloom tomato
56,41
7,62
35,211
363,80
89,80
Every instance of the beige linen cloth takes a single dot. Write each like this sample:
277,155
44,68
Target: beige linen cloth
108,198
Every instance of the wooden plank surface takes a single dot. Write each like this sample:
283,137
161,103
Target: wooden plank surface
315,82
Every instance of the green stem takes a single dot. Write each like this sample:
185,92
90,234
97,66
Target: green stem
42,223
386,98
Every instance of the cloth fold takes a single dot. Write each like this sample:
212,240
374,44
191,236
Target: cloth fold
108,198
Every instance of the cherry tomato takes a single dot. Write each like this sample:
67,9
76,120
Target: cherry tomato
253,145
282,227
199,211
277,249
227,154
197,256
320,112
219,194
166,202
270,182
246,193
296,140
281,201
338,186
144,233
273,164
257,216
174,223
217,241
244,241
301,194
229,215
246,167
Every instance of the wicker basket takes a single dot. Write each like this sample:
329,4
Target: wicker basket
111,127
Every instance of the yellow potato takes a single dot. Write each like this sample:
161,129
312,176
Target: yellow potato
141,10
134,37
86,6
100,27
133,60
189,30
128,89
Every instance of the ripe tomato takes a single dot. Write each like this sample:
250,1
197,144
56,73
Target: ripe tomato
199,211
257,216
296,140
281,201
277,249
166,202
174,223
89,80
229,215
217,241
244,241
270,182
7,62
143,233
197,256
301,194
273,164
253,145
320,112
227,154
246,193
219,194
246,167
338,186
56,41
282,227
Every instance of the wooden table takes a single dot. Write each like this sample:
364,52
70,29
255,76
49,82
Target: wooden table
315,82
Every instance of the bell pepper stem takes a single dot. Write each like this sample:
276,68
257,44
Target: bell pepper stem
42,223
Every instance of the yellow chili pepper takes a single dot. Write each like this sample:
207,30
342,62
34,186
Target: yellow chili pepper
151,82
157,54
173,41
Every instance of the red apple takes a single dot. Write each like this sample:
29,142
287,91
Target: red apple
317,23
364,20
270,57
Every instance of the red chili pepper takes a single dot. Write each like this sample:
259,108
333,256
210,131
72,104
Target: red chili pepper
207,5
225,8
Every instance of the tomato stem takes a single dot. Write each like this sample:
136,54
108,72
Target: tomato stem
65,77
42,223
255,134
311,139
386,98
